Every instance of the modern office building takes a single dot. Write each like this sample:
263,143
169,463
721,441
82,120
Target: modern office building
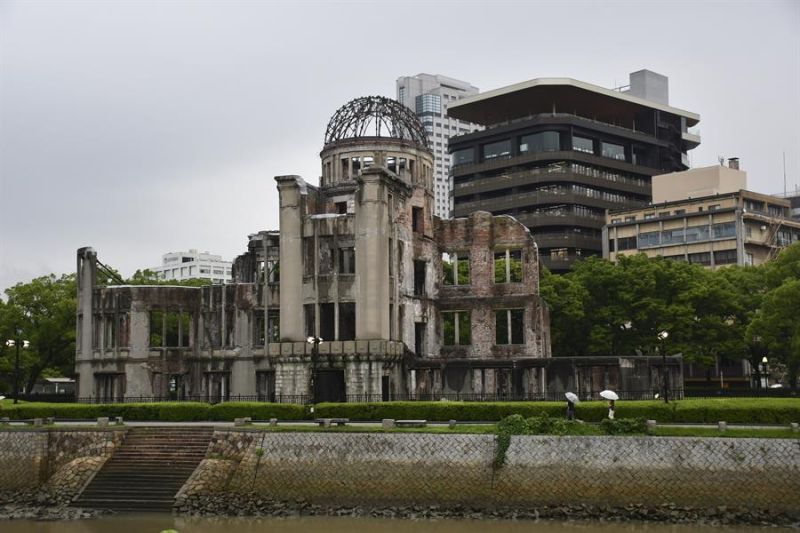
704,216
429,96
556,153
178,266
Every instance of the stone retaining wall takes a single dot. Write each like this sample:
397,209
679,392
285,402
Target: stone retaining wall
384,469
59,461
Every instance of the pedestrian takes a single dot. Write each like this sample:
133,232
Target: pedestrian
572,399
611,409
570,410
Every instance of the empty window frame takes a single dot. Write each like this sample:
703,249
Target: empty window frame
416,220
347,260
509,326
309,312
419,277
455,268
274,325
508,266
327,321
347,321
308,256
456,328
169,329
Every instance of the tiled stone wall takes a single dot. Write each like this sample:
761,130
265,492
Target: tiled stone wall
423,469
59,461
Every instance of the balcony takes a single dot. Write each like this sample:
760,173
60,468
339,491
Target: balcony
512,200
550,175
568,240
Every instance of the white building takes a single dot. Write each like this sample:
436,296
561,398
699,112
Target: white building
428,96
179,266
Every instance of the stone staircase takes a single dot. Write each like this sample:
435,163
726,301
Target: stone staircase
147,470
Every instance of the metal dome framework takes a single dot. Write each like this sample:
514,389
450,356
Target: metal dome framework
375,116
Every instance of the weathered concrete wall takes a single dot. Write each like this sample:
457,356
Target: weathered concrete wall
423,469
58,461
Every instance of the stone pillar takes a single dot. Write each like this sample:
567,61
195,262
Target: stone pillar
87,281
293,195
372,256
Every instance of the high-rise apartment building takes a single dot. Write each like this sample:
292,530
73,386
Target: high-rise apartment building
429,96
557,152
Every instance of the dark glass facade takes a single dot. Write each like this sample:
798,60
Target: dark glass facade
557,173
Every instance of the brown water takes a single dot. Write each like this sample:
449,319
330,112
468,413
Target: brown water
158,523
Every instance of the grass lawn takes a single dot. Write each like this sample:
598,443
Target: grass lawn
577,430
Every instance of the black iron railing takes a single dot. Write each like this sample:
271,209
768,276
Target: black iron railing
303,399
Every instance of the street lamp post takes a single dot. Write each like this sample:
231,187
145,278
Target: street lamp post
764,362
664,374
755,350
12,343
314,342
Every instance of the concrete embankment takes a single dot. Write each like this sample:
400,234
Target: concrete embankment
407,469
417,475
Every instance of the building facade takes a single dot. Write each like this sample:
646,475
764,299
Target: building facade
429,97
179,266
556,153
395,301
704,216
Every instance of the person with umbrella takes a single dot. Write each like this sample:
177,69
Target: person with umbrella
572,399
612,397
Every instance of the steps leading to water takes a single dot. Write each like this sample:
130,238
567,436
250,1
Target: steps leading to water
147,470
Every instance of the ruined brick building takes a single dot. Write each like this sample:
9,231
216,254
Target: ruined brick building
405,304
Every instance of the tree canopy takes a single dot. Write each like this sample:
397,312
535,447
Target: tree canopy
602,308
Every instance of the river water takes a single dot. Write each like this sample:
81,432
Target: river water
158,523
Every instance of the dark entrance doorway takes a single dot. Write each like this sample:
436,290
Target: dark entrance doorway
385,388
329,386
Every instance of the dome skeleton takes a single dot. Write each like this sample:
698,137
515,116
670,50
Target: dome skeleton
375,116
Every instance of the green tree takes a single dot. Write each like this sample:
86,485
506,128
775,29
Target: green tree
777,323
42,311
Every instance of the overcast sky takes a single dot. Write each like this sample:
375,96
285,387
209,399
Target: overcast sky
140,128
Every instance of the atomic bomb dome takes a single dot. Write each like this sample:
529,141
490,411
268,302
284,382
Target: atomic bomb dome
375,131
375,116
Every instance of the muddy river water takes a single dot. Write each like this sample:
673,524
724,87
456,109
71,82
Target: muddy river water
158,523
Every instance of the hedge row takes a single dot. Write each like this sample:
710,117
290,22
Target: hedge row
164,411
733,410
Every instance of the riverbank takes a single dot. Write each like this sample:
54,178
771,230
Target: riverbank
256,505
39,505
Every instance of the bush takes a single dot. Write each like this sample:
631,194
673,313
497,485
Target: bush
257,411
732,410
623,426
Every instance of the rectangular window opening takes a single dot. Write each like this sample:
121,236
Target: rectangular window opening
347,321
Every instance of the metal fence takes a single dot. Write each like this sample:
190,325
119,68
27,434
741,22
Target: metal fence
304,399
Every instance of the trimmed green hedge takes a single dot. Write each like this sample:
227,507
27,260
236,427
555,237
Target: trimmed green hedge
732,410
163,411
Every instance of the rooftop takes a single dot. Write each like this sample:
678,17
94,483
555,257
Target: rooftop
548,95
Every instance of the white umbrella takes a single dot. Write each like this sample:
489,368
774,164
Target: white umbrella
776,386
571,396
609,395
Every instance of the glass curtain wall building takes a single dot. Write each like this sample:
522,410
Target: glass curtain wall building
429,97
556,153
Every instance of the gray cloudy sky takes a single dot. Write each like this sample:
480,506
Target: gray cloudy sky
152,126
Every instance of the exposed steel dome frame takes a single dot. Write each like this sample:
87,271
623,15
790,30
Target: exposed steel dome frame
375,116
